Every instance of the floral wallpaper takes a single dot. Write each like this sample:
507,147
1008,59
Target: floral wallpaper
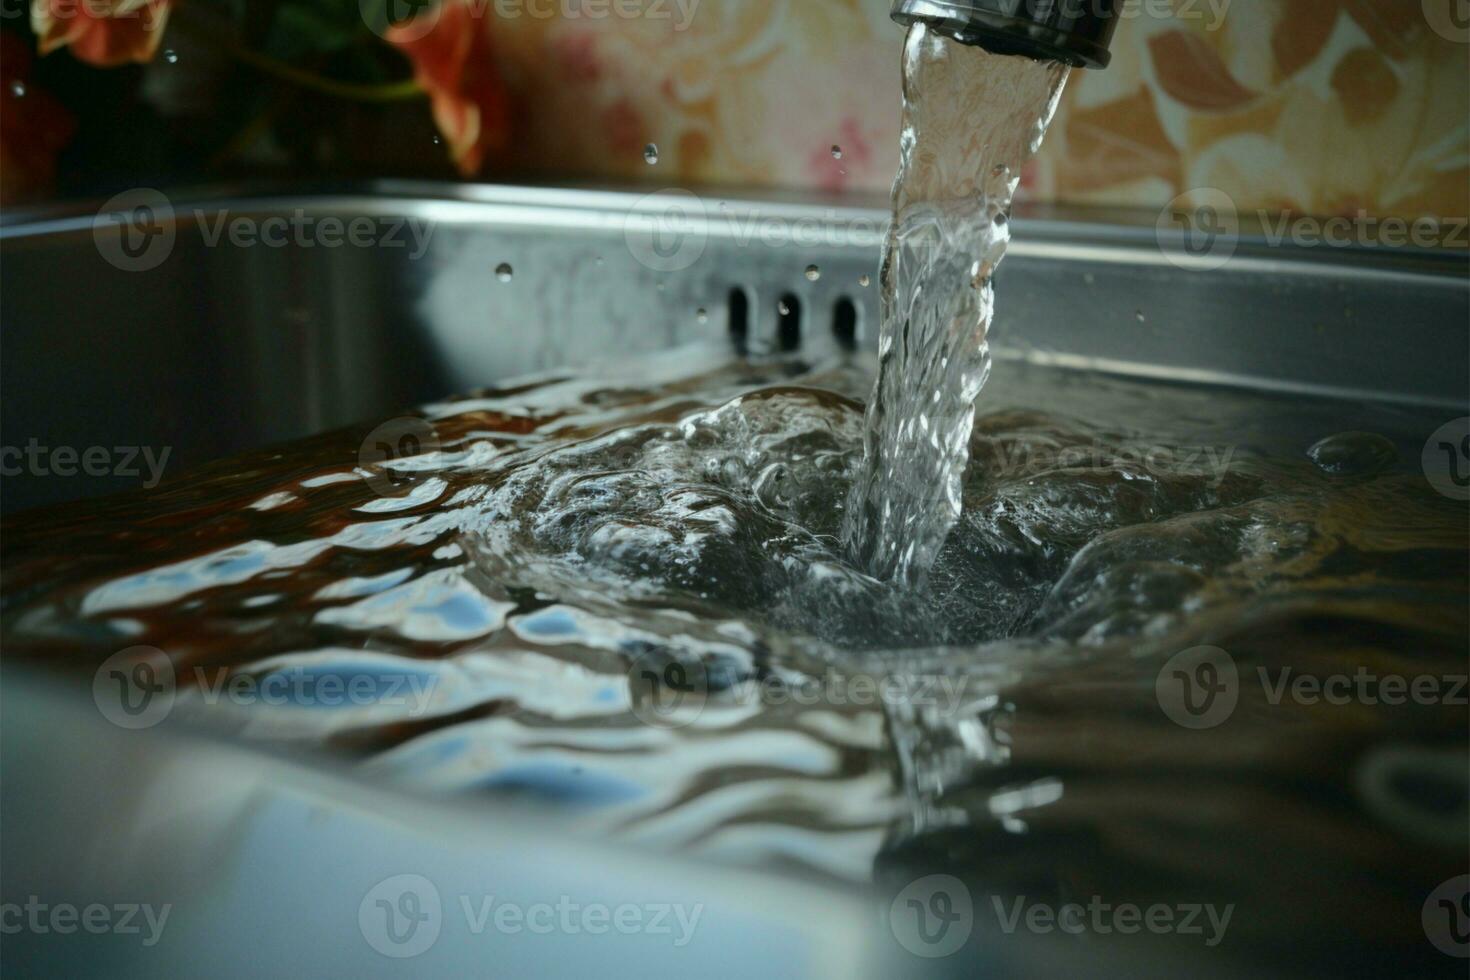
1320,106
1317,106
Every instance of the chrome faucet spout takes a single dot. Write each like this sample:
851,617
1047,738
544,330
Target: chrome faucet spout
1075,32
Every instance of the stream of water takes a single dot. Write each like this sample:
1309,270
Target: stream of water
971,121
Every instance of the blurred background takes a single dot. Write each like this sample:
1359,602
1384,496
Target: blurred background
1320,107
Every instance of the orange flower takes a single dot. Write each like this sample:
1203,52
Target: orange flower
105,33
33,127
449,46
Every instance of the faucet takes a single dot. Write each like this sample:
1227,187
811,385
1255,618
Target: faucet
1075,32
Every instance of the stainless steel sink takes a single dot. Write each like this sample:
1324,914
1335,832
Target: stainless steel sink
222,346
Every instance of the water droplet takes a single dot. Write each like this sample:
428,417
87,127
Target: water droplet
782,308
18,88
813,273
504,272
171,56
1349,453
836,152
702,315
650,154
864,280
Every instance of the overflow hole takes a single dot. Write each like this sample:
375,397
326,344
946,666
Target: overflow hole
844,323
739,303
788,327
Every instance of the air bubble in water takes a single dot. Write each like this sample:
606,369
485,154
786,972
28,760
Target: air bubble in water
702,315
171,56
782,308
864,280
650,154
813,273
18,88
836,152
1141,317
504,272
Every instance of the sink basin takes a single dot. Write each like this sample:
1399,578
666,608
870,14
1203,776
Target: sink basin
224,344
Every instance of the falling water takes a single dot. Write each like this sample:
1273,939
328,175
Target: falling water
971,120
